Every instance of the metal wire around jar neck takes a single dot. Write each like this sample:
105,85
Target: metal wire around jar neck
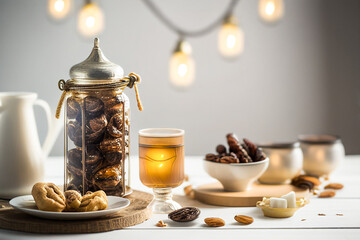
132,80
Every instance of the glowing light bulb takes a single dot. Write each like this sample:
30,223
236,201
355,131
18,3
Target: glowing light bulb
90,20
182,66
231,38
58,9
271,10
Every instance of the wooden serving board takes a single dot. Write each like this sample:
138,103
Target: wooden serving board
137,212
214,194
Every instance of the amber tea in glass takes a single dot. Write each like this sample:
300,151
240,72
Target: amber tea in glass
161,156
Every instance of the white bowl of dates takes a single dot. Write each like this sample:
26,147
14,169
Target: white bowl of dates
238,167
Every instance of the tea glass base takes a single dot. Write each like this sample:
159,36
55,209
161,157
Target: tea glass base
162,202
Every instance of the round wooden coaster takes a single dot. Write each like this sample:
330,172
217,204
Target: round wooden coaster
137,212
214,194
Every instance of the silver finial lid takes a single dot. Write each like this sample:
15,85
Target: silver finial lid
96,68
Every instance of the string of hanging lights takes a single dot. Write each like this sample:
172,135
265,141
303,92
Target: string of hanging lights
231,37
90,18
182,65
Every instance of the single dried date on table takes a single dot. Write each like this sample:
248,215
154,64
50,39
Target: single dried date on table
185,214
214,222
305,182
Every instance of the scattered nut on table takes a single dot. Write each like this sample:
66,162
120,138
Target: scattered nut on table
161,224
336,186
246,220
214,222
327,194
189,192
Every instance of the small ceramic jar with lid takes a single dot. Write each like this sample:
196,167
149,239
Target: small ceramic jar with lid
286,160
322,153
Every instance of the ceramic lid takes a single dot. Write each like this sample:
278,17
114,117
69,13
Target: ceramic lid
96,69
319,138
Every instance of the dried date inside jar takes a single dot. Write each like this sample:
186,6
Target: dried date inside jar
115,126
110,144
113,106
107,178
73,108
112,158
75,132
93,106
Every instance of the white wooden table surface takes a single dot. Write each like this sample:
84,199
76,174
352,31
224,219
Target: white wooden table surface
331,226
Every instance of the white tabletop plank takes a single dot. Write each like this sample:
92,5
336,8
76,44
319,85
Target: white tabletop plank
207,234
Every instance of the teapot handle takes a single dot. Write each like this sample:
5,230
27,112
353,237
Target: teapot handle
51,134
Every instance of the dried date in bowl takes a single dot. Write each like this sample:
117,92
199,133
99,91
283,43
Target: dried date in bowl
185,214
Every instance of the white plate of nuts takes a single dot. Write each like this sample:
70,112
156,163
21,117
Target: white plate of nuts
27,205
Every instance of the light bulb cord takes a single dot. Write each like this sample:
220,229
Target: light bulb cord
185,33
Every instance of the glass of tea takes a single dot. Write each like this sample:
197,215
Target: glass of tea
161,155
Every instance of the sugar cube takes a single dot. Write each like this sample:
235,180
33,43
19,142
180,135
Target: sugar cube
278,202
291,199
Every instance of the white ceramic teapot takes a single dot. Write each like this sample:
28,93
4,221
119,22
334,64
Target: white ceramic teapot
21,155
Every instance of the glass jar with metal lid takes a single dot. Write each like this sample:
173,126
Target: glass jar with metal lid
97,125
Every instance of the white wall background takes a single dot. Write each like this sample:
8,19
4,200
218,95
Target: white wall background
298,76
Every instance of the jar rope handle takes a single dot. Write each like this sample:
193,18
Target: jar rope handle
64,88
134,81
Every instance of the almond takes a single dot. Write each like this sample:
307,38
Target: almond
214,222
188,190
161,224
336,186
327,194
244,219
186,178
